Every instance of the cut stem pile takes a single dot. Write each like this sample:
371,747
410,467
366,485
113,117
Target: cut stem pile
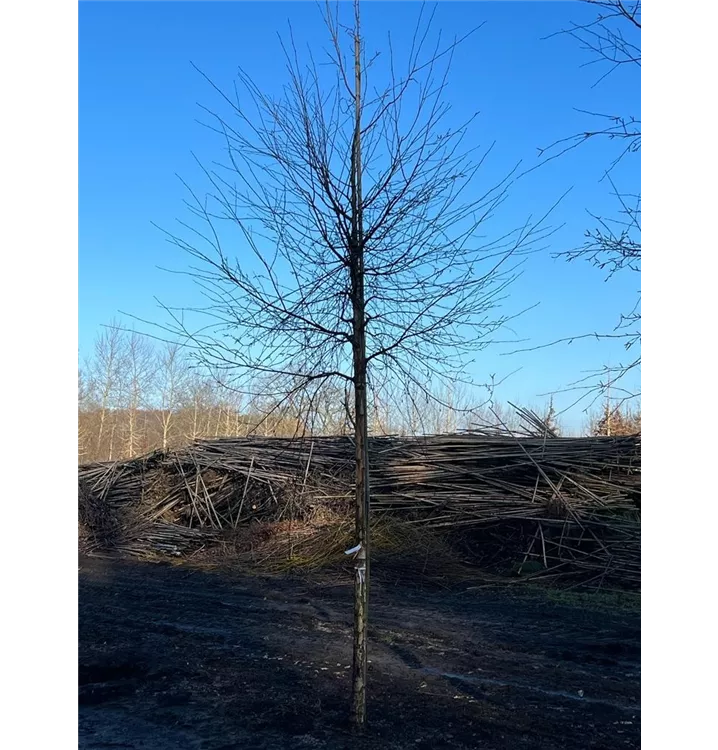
572,504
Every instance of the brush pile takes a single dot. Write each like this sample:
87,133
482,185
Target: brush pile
562,507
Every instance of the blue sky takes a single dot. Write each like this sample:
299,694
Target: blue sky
138,111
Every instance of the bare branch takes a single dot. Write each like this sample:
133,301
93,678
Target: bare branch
613,245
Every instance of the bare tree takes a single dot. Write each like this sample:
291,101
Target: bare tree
198,400
360,255
106,372
83,428
172,377
136,380
613,39
613,243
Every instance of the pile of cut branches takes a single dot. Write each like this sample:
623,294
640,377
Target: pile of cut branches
573,502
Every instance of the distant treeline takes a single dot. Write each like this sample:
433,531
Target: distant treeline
136,396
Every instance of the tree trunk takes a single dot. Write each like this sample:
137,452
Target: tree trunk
100,433
112,440
132,431
195,420
361,572
166,417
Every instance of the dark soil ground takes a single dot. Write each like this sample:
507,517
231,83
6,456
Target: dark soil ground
174,658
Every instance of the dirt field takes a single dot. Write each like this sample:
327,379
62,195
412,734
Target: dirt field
174,658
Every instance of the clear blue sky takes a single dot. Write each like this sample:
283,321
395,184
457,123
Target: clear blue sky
138,124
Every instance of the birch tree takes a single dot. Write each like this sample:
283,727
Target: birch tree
106,373
172,378
136,379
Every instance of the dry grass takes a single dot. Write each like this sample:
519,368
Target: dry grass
400,551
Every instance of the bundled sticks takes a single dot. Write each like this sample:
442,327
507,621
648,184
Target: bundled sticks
576,500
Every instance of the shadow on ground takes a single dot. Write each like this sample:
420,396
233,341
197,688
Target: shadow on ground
171,657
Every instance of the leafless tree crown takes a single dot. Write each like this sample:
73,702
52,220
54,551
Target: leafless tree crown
273,233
